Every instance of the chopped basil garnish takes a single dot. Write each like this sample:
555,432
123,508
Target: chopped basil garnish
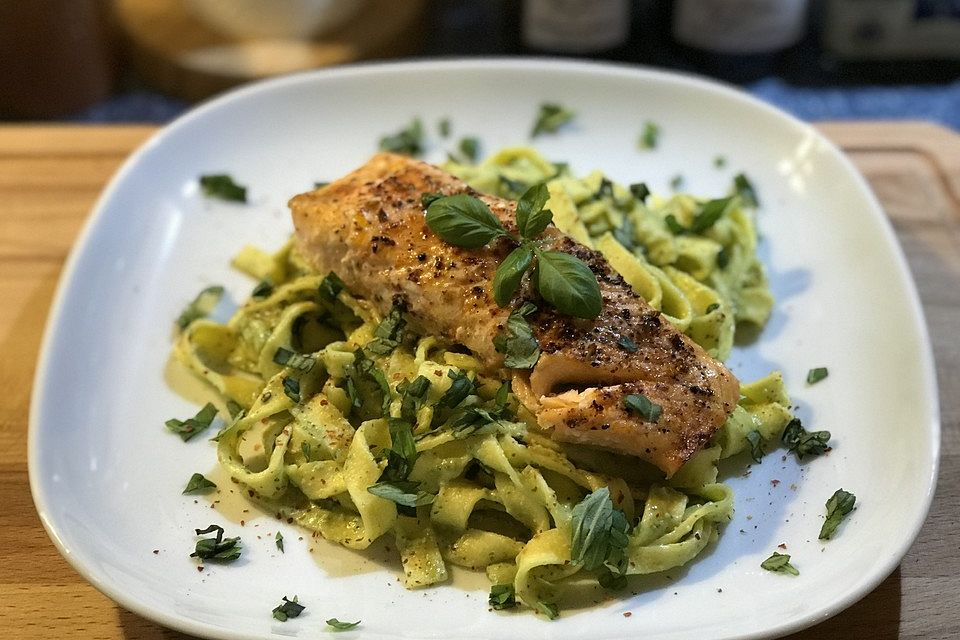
403,492
838,506
676,182
803,442
650,136
513,188
263,289
744,188
627,344
288,609
470,148
279,541
320,185
205,302
367,388
502,596
388,334
779,563
460,388
443,127
234,408
648,410
562,279
548,609
756,445
599,534
816,375
517,342
336,625
287,358
723,258
713,306
330,287
198,484
291,387
640,191
402,454
707,216
408,141
412,397
218,548
719,162
223,187
190,427
605,190
550,118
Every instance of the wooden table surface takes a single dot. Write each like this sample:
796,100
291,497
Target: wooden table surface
50,177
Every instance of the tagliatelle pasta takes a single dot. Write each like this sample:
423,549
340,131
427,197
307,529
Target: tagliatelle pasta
356,429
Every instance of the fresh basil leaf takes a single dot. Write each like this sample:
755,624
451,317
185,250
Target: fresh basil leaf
341,626
367,388
402,492
599,532
803,442
443,127
298,361
330,287
648,410
517,342
713,306
502,596
470,148
816,375
402,454
263,289
407,141
388,334
190,427
205,302
610,580
198,484
460,388
779,563
509,275
502,399
548,609
412,397
756,445
288,609
838,506
278,539
709,213
640,191
550,118
627,344
744,188
291,387
650,135
531,218
568,284
216,549
605,190
223,187
428,198
463,221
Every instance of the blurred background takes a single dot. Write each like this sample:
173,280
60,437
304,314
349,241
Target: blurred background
149,60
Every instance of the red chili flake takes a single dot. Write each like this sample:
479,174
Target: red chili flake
200,568
774,482
782,545
627,614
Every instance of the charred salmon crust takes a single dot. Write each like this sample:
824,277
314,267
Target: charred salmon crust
369,227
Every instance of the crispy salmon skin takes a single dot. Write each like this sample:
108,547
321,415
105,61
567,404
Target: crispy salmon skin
369,227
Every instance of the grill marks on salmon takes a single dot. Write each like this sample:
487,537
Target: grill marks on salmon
370,228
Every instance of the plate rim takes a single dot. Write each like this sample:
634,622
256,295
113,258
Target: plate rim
94,219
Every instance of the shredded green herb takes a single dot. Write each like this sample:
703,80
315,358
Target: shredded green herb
336,625
205,302
190,427
502,596
516,342
550,118
648,410
223,187
216,549
803,442
650,135
288,609
198,484
279,540
816,375
779,563
407,141
838,506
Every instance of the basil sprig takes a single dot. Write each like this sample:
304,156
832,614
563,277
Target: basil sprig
838,506
563,280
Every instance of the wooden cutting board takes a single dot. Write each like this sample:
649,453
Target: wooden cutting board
50,177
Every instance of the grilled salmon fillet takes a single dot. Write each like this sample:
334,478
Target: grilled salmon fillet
370,228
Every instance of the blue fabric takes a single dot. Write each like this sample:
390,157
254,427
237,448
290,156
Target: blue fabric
937,103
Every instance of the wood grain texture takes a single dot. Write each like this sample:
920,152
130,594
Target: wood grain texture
51,176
